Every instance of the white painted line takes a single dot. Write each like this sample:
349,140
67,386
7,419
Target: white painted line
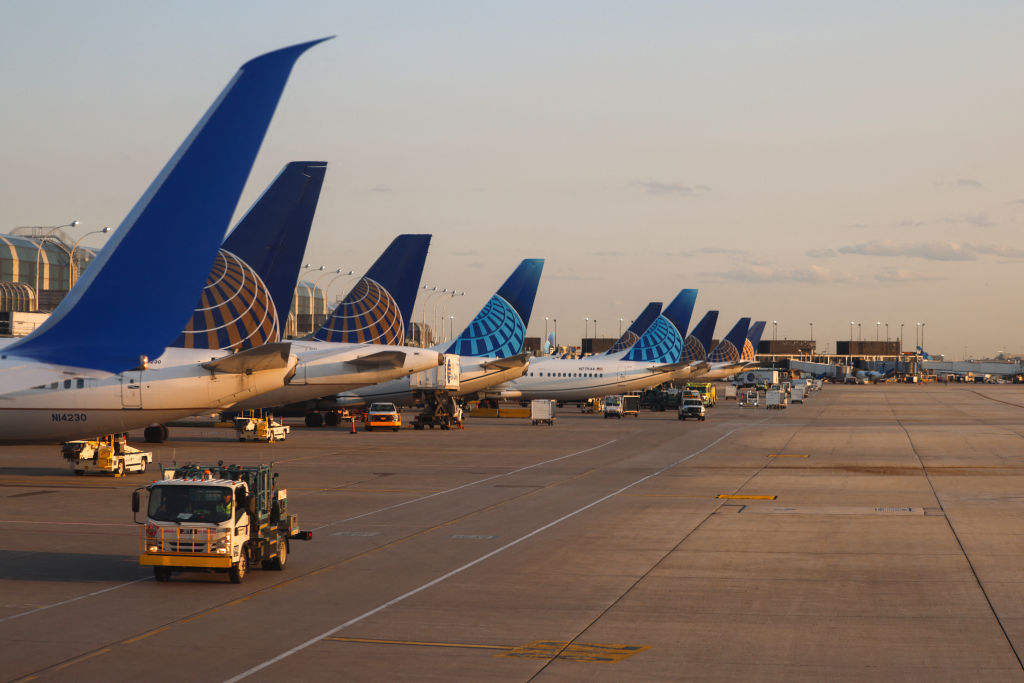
431,584
463,486
26,521
70,600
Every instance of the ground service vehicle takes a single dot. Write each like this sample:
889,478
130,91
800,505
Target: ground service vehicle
543,410
382,415
708,392
775,398
797,393
692,407
110,453
730,392
612,406
752,378
220,518
255,425
749,399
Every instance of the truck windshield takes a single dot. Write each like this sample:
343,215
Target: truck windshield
382,408
190,504
612,401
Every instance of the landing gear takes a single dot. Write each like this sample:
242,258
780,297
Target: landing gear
156,433
314,420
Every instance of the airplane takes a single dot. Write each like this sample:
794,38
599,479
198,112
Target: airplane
360,342
85,370
753,341
566,379
489,349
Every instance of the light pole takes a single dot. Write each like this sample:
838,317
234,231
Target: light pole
444,304
451,327
555,320
901,337
877,325
595,328
586,328
922,339
812,332
545,332
433,318
887,332
860,333
620,327
917,339
39,252
775,331
74,267
338,273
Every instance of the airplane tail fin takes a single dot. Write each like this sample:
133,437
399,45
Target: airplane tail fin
379,308
922,352
249,290
144,273
729,349
637,328
680,310
699,341
753,340
499,329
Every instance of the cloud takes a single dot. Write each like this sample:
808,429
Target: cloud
615,254
959,184
820,253
718,250
806,275
935,251
897,276
979,220
968,183
656,187
910,224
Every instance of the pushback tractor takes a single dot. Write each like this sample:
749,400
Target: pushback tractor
220,518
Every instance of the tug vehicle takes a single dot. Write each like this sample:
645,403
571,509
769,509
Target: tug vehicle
110,453
220,518
255,425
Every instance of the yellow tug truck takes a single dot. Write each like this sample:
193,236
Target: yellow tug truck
220,518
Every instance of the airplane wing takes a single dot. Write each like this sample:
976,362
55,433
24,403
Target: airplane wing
266,357
698,366
510,363
390,359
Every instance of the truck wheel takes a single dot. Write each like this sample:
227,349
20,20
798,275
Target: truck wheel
154,434
331,419
281,560
120,468
162,574
238,570
314,420
142,467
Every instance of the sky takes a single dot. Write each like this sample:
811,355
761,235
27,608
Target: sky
807,163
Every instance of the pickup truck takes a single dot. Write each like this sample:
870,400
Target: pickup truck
692,407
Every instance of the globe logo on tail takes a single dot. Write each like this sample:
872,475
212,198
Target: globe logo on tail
235,310
368,315
496,332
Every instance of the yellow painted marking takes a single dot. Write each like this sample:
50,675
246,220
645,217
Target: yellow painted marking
378,641
145,635
787,455
538,649
575,652
734,496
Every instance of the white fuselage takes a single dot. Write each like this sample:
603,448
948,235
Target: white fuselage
577,380
474,378
326,368
80,405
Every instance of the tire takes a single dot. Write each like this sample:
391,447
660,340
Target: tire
331,419
165,432
368,428
395,429
78,473
279,562
314,420
142,467
120,468
154,434
162,574
240,569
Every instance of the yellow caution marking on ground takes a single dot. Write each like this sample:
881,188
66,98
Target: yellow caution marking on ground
735,496
145,635
788,455
418,643
81,659
574,652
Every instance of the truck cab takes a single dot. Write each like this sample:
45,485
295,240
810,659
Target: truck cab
218,519
612,406
692,407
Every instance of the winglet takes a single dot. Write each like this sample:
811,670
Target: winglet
637,328
138,293
379,308
499,329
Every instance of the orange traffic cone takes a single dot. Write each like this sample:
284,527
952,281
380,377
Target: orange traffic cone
353,425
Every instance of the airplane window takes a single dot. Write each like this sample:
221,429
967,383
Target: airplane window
54,385
79,383
67,384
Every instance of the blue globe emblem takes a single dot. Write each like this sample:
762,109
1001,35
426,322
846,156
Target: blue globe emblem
661,343
496,332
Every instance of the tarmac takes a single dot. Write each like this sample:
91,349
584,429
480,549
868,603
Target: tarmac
872,533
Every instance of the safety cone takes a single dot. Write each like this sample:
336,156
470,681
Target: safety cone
353,425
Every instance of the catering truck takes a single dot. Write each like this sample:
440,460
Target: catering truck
219,518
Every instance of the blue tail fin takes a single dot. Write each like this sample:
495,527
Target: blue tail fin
499,329
250,288
680,310
152,269
378,310
753,340
664,340
637,328
699,341
730,348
